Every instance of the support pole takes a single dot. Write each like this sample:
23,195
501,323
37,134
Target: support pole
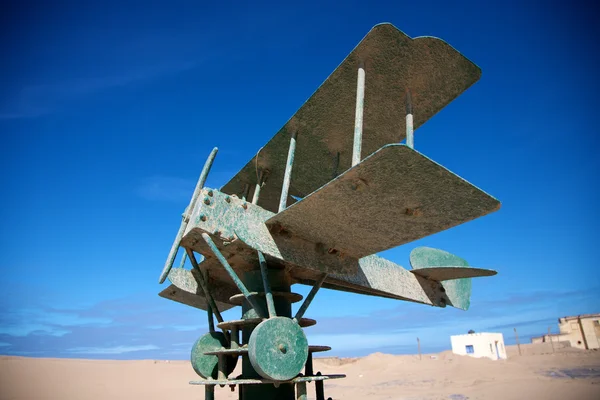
309,298
256,194
211,320
358,118
288,173
517,338
550,338
419,347
186,215
233,275
301,391
410,140
209,392
202,282
319,389
246,190
265,278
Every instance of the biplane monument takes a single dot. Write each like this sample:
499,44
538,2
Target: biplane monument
315,204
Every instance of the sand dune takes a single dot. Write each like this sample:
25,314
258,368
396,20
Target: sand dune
538,374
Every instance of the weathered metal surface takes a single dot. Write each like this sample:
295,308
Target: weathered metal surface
393,197
188,211
458,291
278,349
445,273
206,365
174,293
263,381
380,277
238,299
186,281
303,322
427,257
239,231
434,72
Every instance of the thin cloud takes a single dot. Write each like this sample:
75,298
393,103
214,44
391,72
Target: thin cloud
112,350
166,188
36,100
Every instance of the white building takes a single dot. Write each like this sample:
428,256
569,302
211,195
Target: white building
490,345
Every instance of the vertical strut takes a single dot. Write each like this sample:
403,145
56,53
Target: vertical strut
246,190
256,194
358,119
211,320
209,298
209,392
319,389
186,215
309,298
265,278
301,391
288,173
410,138
232,274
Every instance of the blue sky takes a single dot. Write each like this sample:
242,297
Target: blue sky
107,113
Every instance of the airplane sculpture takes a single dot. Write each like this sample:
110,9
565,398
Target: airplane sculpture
330,190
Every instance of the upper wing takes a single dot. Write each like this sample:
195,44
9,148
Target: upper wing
433,71
392,197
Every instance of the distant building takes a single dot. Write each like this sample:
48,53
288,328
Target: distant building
490,345
581,331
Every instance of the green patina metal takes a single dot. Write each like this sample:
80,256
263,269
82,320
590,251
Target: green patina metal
344,209
206,365
278,349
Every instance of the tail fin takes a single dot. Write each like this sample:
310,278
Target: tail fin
453,271
458,292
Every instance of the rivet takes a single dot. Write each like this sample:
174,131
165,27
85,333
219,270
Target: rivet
228,199
206,201
203,218
244,206
210,193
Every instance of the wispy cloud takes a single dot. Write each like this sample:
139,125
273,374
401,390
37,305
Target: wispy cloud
36,100
166,188
111,350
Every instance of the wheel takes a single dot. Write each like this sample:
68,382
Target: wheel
207,365
278,349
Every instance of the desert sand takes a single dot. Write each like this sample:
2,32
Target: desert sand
537,374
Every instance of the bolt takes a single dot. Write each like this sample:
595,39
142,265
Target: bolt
244,206
203,218
282,348
217,233
206,201
210,193
228,199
